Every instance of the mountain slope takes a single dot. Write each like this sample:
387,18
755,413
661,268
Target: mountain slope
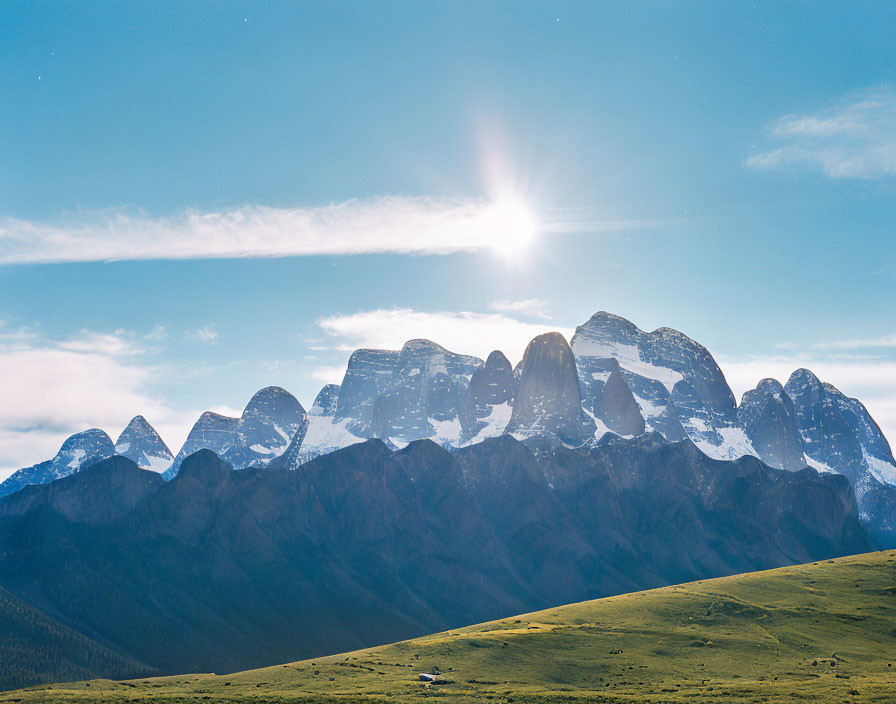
98,495
34,649
220,570
818,632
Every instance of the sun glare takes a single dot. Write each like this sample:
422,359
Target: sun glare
511,227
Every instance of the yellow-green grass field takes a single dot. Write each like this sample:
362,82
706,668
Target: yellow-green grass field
816,633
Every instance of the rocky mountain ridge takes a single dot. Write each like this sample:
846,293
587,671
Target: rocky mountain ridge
612,378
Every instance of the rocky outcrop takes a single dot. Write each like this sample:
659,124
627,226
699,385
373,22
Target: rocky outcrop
549,401
675,381
325,402
768,418
140,442
425,395
839,435
366,377
615,406
489,399
269,423
828,439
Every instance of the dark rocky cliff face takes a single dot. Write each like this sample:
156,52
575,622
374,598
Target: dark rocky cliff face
615,405
548,401
491,385
826,433
768,417
367,375
425,395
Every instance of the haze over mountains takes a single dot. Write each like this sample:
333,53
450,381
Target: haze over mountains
611,378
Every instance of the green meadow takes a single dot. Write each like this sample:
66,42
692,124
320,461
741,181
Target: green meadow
816,633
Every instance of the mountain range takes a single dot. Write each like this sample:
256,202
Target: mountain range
219,570
611,379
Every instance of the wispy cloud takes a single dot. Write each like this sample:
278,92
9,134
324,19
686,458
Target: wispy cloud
867,343
531,307
52,388
391,224
409,225
854,139
330,374
207,333
159,333
464,332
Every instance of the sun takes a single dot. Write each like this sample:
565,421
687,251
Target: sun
511,226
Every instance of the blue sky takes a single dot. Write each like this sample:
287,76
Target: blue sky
278,184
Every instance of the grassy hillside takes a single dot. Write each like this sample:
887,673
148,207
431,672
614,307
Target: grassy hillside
823,632
34,647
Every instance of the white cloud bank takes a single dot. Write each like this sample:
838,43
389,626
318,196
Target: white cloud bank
55,388
396,224
464,332
854,139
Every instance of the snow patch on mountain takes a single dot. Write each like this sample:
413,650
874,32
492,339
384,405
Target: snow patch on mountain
599,428
648,408
325,434
156,463
495,422
883,471
77,457
446,431
819,466
735,444
629,357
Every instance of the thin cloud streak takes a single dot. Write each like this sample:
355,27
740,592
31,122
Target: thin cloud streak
531,307
855,139
208,333
884,342
391,224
